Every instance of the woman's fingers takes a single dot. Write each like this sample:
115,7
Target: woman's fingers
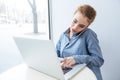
68,62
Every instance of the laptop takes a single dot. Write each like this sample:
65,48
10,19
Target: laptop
41,56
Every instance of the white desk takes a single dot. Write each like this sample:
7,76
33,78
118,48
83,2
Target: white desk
22,72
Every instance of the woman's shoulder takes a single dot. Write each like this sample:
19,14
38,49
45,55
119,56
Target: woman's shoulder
89,31
62,35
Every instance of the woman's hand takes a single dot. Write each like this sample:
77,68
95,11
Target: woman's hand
67,62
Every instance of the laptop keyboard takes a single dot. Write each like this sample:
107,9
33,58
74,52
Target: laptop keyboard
66,70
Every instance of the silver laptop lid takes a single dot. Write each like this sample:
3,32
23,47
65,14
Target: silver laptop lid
40,55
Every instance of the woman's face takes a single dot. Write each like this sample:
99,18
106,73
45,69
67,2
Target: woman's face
79,23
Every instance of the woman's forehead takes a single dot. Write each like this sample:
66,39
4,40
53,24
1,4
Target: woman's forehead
80,18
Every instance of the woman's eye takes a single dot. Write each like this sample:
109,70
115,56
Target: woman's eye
81,26
74,21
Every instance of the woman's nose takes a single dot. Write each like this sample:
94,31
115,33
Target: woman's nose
75,26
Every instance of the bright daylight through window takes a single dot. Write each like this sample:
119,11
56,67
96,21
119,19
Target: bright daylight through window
25,15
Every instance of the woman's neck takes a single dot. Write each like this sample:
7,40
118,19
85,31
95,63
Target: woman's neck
70,35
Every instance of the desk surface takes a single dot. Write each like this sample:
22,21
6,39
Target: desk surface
22,72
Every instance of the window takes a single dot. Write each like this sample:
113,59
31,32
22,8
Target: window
26,15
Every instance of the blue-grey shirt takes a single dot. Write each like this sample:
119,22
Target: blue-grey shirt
84,47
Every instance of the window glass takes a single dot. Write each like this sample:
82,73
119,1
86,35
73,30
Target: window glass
19,14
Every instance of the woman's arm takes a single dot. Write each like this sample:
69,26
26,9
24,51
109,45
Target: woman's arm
95,55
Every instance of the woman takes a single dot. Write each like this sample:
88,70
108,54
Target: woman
79,44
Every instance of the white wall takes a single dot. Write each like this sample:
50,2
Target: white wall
106,25
9,54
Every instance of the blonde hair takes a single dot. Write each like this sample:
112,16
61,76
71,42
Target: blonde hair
87,11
